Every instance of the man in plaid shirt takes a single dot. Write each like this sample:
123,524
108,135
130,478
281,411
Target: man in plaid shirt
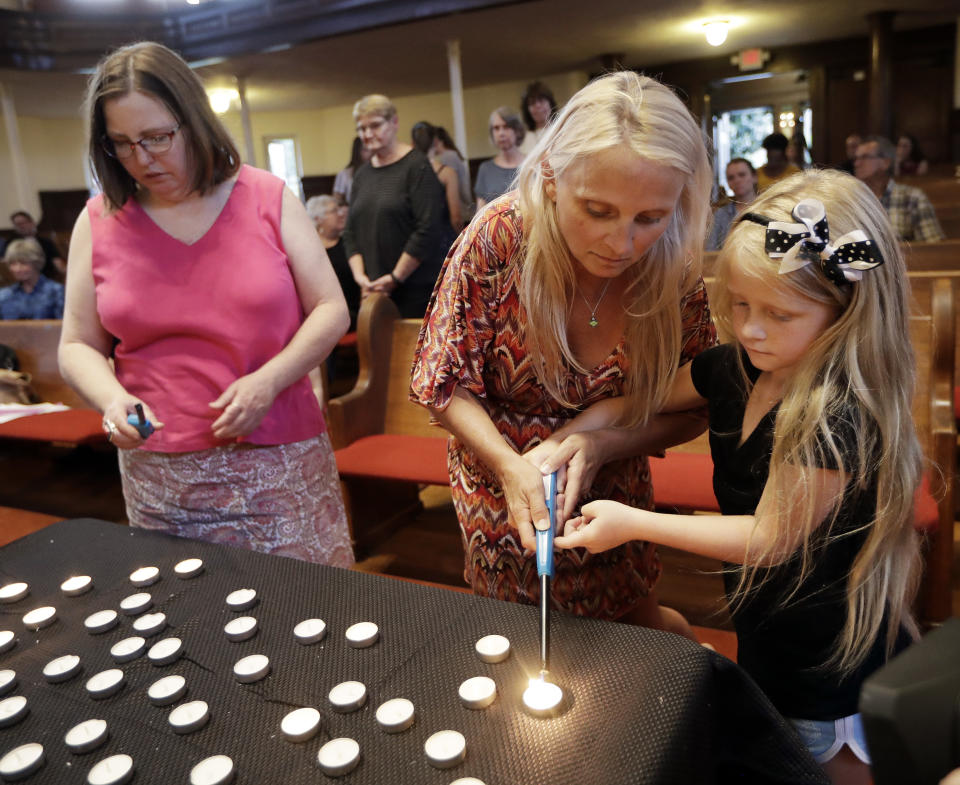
910,211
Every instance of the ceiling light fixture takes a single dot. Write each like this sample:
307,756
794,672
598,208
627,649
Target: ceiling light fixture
221,98
716,31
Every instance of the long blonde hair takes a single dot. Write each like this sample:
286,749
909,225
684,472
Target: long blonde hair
640,114
860,372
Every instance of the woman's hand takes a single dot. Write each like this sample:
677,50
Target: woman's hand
578,458
602,525
244,403
122,434
364,283
522,485
385,284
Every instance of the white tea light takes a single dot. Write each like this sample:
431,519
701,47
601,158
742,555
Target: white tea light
241,628
61,668
12,592
310,631
150,624
395,715
467,781
106,683
445,749
348,696
145,576
7,640
101,621
166,651
362,634
167,690
136,604
8,680
128,649
86,736
251,668
189,717
241,599
478,692
493,648
338,757
76,585
12,710
21,762
115,770
542,697
215,770
188,568
300,724
39,618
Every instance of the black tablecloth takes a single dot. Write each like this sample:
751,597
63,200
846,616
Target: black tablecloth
645,706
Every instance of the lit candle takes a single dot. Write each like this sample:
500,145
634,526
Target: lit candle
13,592
445,748
77,585
541,697
39,618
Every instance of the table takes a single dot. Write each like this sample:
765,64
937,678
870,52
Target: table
644,706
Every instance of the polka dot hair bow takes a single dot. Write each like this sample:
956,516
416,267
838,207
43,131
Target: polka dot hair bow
800,244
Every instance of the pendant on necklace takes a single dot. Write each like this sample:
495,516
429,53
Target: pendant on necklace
593,320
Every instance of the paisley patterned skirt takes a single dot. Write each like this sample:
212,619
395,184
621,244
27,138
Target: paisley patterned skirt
279,499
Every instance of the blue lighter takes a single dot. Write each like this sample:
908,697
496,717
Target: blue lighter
545,569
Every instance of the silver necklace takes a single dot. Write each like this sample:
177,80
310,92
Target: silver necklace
593,309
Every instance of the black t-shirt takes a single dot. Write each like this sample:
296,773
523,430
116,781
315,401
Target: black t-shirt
351,292
782,646
395,208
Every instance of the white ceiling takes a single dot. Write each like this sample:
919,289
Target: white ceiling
515,42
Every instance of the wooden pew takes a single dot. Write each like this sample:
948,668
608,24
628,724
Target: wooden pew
35,341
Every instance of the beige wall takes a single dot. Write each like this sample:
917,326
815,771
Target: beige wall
54,148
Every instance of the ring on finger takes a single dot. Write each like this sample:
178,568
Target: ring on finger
111,428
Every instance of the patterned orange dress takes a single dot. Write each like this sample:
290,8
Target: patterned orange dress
472,337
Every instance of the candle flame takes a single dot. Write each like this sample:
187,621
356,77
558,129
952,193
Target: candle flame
541,695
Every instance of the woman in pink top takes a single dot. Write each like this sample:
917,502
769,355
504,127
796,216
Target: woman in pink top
207,285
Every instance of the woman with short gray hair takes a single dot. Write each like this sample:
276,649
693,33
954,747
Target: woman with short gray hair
32,295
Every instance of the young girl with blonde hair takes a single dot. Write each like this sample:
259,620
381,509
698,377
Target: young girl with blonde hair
580,286
815,456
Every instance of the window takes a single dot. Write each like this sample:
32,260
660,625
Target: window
283,159
739,134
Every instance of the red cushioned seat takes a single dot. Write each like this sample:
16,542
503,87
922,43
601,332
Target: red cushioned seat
348,340
420,459
684,480
77,426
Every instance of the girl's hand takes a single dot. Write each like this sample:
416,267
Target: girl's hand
522,485
122,434
580,456
602,525
245,403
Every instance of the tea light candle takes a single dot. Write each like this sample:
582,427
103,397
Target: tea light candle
310,631
395,715
241,599
541,697
115,770
166,651
21,761
467,781
12,592
86,736
338,757
348,696
362,634
106,683
136,604
39,618
189,717
445,749
215,770
478,692
150,624
188,568
8,680
77,585
167,690
128,649
61,668
12,710
101,621
145,576
300,724
493,648
7,640
241,628
252,668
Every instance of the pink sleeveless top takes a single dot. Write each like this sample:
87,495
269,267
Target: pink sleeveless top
191,319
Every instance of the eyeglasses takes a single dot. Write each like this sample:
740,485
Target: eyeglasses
155,144
373,126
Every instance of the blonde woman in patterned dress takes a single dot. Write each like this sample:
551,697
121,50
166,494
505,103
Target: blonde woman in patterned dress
580,286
